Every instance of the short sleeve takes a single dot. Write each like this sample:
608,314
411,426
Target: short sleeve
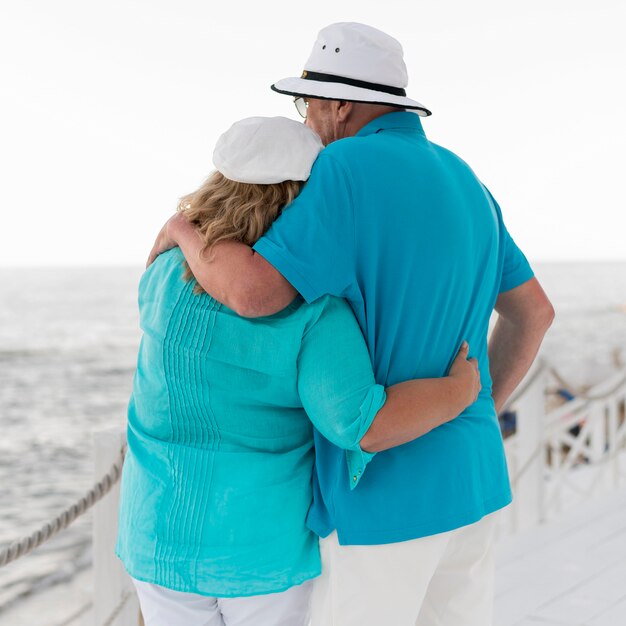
515,269
312,243
336,382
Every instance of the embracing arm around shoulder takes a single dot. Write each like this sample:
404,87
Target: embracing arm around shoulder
312,243
235,275
524,316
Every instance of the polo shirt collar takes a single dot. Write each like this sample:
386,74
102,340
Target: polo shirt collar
396,120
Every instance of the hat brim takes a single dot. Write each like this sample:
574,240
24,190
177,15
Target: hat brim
338,91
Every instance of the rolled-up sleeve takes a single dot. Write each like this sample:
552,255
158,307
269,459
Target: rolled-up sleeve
336,382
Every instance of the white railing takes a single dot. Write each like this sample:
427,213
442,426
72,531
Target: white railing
115,601
567,455
525,454
556,459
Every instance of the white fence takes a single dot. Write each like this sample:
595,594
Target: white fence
115,602
556,459
567,455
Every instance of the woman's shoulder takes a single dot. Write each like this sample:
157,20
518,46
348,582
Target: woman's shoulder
310,311
330,309
164,264
327,310
160,278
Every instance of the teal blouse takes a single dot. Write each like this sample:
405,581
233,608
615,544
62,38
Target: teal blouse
217,480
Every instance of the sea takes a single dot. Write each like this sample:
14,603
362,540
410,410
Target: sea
68,345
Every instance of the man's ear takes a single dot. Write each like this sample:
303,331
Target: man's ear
344,110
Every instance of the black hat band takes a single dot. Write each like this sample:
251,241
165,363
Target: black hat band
330,78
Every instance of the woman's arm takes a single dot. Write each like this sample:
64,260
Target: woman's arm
413,408
338,391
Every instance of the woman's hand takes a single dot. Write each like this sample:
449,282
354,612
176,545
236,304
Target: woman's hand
168,236
465,373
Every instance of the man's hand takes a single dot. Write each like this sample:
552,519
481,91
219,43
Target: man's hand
168,236
465,372
235,275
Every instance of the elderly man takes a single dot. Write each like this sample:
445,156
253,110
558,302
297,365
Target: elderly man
403,230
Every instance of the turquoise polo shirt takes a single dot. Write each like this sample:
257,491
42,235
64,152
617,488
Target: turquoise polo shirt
404,230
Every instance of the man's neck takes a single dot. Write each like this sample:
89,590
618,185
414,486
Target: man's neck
364,114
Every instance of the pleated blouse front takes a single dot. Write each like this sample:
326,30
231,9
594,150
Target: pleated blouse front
217,480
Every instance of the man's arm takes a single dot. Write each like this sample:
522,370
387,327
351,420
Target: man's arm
309,249
236,275
524,316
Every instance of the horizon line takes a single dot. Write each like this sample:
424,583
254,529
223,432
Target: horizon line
122,265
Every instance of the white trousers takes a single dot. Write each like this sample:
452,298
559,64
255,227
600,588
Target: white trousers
166,607
442,580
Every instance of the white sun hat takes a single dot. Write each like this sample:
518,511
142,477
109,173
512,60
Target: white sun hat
355,62
266,150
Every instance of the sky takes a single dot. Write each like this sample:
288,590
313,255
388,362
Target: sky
109,111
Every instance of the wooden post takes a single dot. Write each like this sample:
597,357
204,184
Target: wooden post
506,517
112,585
529,487
612,443
598,417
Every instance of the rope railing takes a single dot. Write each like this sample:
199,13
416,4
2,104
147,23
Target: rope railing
23,546
601,391
101,488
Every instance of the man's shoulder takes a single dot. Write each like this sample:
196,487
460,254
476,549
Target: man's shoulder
333,166
343,156
449,156
344,150
353,149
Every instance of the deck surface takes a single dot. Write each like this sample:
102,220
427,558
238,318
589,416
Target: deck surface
570,572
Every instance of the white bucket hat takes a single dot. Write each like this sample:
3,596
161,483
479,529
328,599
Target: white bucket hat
354,62
266,150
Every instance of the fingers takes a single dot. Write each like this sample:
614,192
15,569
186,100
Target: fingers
153,255
463,351
161,243
477,384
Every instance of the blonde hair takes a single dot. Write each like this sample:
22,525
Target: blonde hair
222,209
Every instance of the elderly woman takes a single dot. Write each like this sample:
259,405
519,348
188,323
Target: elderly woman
217,480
